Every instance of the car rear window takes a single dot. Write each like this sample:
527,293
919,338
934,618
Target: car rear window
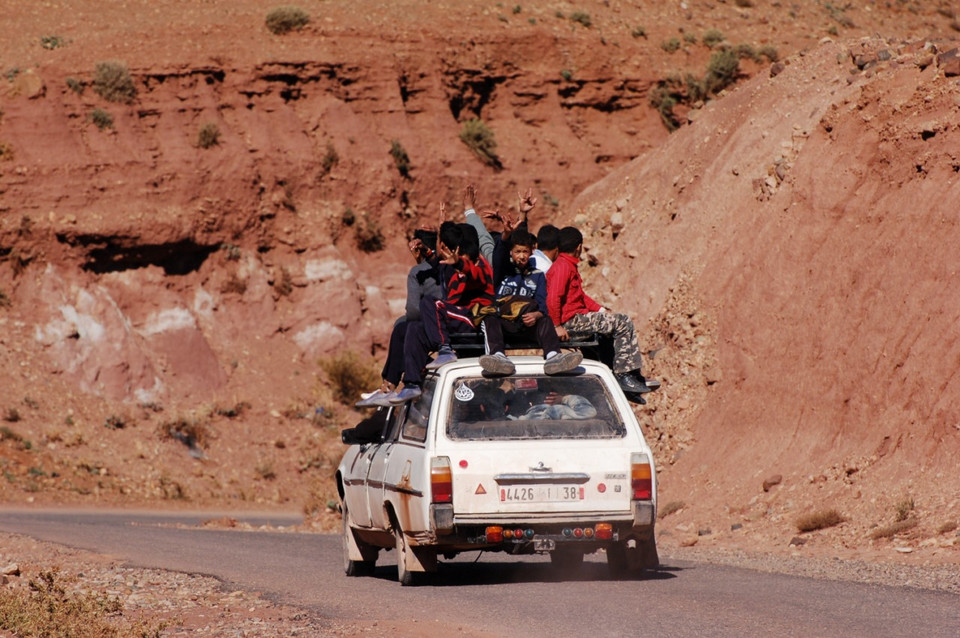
532,407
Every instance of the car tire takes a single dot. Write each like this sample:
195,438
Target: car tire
630,556
404,575
353,568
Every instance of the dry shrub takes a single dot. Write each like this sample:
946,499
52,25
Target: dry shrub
904,507
819,520
5,300
286,19
233,284
947,527
370,238
892,530
208,135
113,82
400,157
479,138
6,152
48,608
191,432
101,118
670,508
349,376
284,283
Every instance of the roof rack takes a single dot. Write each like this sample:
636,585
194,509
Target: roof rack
471,343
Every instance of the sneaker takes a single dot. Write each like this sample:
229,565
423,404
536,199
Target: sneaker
378,399
562,363
633,397
497,364
629,383
409,393
442,359
652,384
370,399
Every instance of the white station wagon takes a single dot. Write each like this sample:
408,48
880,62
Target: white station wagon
522,464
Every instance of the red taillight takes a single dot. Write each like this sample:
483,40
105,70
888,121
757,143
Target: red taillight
604,531
494,534
441,480
641,480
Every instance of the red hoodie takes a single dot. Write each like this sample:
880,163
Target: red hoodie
565,296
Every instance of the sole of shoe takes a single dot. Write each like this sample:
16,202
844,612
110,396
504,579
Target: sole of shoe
499,366
439,362
562,363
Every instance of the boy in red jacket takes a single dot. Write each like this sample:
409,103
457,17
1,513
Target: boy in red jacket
572,310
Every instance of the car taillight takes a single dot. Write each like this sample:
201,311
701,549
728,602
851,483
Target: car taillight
604,531
441,481
494,534
641,482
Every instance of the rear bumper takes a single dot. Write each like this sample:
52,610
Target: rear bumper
541,532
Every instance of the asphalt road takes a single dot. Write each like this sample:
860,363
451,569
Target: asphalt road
506,595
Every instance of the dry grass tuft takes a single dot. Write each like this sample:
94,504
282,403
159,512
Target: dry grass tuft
947,527
48,608
113,82
670,508
892,530
349,376
286,19
819,520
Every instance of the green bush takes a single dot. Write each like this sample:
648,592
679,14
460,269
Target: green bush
479,139
75,85
52,42
400,157
113,82
689,38
722,71
566,74
671,45
285,19
713,37
769,52
208,135
101,118
581,17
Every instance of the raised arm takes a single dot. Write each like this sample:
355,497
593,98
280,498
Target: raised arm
472,218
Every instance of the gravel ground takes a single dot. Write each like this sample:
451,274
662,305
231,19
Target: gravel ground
935,577
201,606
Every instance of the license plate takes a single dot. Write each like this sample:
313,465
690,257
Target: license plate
541,494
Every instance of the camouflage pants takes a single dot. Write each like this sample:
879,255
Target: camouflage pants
626,350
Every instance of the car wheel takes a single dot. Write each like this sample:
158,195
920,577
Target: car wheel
617,559
351,567
632,556
404,575
566,559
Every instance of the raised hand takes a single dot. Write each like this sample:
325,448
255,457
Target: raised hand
527,202
470,197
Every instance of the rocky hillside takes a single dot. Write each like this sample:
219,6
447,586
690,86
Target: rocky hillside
793,248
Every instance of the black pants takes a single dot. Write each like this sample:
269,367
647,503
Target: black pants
543,331
393,367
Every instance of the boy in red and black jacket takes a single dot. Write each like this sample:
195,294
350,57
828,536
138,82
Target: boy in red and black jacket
468,280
